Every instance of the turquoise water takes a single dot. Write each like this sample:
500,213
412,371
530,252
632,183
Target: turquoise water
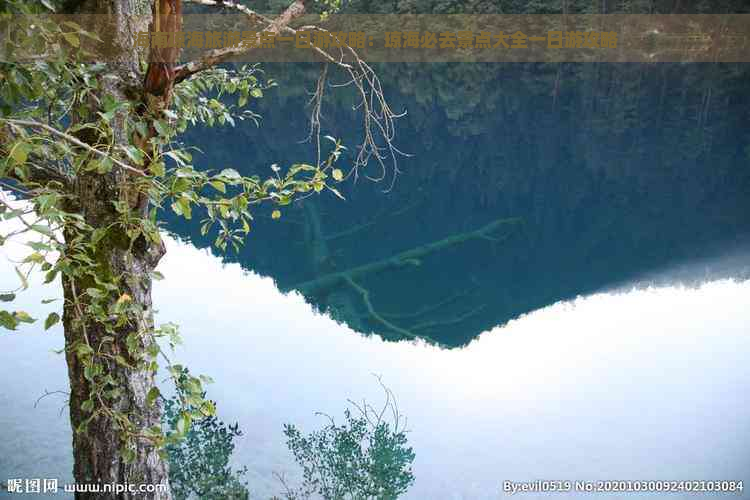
624,170
601,335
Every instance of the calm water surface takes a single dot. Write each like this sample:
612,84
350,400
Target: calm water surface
647,383
603,334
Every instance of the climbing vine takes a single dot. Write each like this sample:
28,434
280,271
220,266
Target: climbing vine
59,128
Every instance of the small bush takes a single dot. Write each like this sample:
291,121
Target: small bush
199,464
364,458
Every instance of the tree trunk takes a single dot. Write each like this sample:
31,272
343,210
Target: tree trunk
97,447
97,440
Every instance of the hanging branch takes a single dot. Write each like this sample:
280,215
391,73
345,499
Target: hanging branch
378,119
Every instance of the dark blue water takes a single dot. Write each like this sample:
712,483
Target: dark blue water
609,171
613,175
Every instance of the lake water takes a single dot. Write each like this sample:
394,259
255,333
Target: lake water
605,336
637,384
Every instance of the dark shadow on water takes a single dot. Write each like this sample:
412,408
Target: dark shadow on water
528,184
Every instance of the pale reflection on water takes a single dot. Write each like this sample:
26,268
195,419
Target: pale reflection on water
643,384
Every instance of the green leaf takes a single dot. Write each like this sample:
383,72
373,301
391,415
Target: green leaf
161,128
97,235
153,350
276,214
35,257
181,184
95,293
19,152
153,393
51,320
7,297
51,275
257,93
91,371
72,38
7,320
104,165
83,350
39,246
128,455
122,361
157,168
83,427
131,341
193,386
183,423
142,129
181,158
337,174
181,206
107,117
208,408
297,167
23,317
135,154
187,172
230,173
45,230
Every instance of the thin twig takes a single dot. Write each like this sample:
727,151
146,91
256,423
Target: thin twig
72,140
49,393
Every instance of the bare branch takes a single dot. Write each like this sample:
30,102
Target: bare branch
378,127
218,56
49,393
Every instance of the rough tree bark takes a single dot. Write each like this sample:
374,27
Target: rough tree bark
97,446
97,456
97,449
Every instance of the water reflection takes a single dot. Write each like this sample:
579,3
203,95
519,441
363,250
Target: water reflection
642,384
516,203
625,170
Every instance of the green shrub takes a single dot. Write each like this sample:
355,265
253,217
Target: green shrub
366,457
199,464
